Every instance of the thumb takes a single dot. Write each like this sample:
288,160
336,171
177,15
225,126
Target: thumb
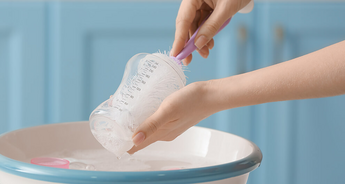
148,127
209,29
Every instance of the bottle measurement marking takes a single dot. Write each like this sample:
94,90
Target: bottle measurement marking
128,92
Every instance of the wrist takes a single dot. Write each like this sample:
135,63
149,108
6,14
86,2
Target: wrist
228,93
217,94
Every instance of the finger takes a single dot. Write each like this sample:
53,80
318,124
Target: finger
199,18
165,131
141,146
210,44
222,12
204,52
169,133
187,60
195,24
147,128
185,17
204,13
158,135
150,126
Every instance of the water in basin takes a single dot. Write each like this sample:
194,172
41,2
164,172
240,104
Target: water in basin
144,160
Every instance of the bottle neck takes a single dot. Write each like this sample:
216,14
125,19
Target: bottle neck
174,64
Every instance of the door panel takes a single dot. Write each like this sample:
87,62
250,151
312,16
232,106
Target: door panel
22,81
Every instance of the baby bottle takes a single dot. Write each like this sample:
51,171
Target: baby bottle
148,79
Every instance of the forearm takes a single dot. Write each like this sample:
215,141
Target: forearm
315,75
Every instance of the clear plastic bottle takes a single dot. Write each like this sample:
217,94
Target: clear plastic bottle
148,79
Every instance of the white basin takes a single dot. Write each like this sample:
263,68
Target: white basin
234,157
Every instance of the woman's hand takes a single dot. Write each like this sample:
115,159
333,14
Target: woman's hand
176,114
192,13
315,75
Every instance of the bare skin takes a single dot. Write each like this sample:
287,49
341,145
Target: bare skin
315,75
192,13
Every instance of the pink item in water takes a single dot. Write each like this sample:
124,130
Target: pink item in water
51,162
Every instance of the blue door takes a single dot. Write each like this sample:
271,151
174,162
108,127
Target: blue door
59,60
90,44
93,42
302,141
22,56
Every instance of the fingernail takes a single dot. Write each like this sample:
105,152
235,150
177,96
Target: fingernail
139,138
201,42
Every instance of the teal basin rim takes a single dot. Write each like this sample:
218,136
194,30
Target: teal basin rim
194,175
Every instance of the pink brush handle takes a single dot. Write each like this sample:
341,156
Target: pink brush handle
190,47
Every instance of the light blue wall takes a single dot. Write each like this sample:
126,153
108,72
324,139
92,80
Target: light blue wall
22,62
299,138
59,60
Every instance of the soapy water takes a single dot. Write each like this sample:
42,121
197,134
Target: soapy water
81,166
144,160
